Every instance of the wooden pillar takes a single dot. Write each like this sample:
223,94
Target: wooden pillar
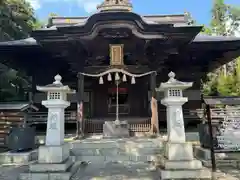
32,89
154,105
80,103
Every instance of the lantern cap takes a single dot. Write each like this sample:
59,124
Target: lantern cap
173,83
56,86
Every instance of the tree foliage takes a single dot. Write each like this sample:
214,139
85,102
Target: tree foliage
225,21
13,85
17,20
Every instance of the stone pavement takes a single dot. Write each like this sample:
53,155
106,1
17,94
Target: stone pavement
118,168
11,172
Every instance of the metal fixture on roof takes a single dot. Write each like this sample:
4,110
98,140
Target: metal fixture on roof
115,5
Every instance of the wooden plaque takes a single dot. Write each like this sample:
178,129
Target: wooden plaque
116,54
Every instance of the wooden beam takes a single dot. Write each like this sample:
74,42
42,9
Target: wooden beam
80,105
154,105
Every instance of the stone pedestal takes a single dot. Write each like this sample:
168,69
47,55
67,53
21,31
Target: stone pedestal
54,162
18,158
113,129
178,161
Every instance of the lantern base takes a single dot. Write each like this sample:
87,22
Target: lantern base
111,129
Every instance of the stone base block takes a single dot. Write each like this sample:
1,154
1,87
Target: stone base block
63,171
202,153
18,157
185,174
178,151
205,154
53,154
222,163
63,167
179,165
113,130
67,175
45,176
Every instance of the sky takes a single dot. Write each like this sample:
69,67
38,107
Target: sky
199,9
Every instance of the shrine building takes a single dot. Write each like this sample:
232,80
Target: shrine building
91,53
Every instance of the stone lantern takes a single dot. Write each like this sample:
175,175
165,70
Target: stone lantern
56,103
53,158
173,100
178,161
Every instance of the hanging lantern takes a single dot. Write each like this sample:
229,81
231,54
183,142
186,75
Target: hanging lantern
124,79
101,80
109,78
133,80
117,76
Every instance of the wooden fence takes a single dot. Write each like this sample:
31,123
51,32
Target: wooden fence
96,125
35,118
136,125
8,119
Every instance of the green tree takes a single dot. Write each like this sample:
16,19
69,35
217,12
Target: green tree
17,19
225,21
225,84
206,30
219,16
13,85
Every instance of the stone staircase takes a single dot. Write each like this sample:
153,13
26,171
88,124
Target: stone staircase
114,150
109,159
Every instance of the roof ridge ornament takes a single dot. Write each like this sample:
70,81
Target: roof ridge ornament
58,80
171,76
115,5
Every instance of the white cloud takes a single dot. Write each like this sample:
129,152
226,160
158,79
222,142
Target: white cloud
35,4
89,5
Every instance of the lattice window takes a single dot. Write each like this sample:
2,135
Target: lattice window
174,92
54,95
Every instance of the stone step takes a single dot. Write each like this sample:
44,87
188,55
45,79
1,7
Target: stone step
203,174
115,151
18,157
222,159
143,151
116,143
52,174
53,167
222,163
45,176
92,145
114,171
152,143
116,158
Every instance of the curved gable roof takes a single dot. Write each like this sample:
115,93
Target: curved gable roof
207,38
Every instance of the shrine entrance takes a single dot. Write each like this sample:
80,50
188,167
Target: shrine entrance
119,96
123,100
